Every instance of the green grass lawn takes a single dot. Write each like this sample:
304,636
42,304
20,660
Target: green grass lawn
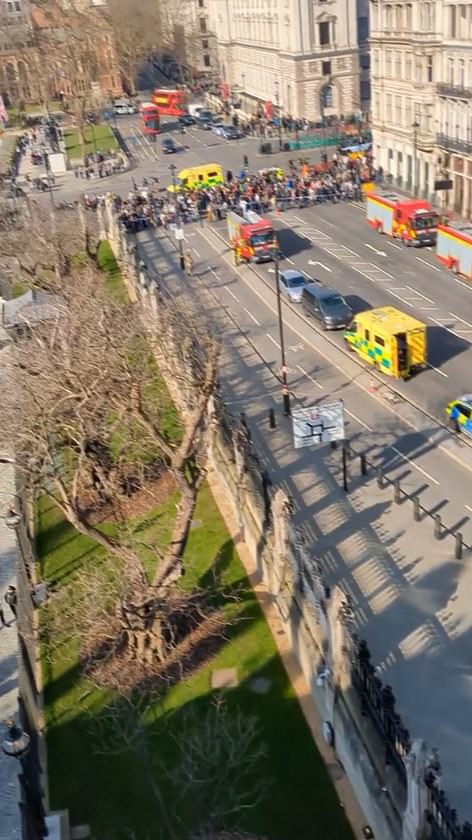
109,792
97,138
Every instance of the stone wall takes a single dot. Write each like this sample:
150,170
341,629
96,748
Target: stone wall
386,769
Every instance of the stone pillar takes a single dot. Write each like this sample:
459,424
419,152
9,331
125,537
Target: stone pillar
465,210
416,763
282,561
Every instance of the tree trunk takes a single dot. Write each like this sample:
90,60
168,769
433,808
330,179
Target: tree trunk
170,568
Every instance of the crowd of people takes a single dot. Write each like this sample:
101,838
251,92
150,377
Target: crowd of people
100,165
340,179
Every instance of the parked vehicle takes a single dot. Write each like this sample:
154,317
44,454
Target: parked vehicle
252,238
410,219
122,107
230,132
454,247
327,306
205,119
187,119
218,129
292,284
395,343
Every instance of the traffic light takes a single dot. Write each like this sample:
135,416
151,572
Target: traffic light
246,162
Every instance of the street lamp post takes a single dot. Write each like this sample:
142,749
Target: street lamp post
279,121
415,128
172,170
285,388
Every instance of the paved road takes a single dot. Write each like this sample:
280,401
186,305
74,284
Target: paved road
411,596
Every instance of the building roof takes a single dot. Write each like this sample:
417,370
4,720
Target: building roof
31,308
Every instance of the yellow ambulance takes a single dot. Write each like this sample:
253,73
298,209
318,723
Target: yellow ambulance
207,175
395,343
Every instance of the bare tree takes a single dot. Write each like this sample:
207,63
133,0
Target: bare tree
215,778
84,409
139,35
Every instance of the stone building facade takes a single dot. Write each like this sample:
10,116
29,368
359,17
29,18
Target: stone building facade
422,97
307,56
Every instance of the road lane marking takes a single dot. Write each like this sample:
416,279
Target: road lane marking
420,294
230,292
404,300
273,340
325,222
376,250
358,419
302,221
425,262
289,260
311,378
412,463
443,325
322,265
394,245
467,323
469,508
441,372
252,316
197,254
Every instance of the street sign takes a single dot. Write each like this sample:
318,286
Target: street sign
322,423
179,234
443,185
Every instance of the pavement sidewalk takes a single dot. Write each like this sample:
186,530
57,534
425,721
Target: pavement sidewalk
410,596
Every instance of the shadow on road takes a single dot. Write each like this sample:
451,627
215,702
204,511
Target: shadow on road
443,345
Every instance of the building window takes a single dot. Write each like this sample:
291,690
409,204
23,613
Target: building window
204,44
364,61
429,68
326,68
206,60
408,66
399,18
462,74
365,91
388,17
398,110
326,97
398,65
324,33
362,28
452,21
203,25
450,71
409,17
388,63
388,107
201,4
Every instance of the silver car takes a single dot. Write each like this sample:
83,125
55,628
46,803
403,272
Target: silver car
292,284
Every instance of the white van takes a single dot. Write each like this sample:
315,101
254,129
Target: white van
122,106
195,108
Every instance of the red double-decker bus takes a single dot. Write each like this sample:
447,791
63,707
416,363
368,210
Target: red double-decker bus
150,118
173,103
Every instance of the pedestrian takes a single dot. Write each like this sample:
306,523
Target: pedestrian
2,618
11,598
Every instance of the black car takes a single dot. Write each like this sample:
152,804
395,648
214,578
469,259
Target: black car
187,119
168,146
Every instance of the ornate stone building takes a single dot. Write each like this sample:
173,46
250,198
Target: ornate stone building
422,96
307,56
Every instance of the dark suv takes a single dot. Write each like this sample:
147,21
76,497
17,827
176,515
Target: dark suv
327,306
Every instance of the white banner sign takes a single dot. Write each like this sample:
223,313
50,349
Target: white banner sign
322,423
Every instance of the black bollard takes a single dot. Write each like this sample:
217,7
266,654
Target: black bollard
437,527
416,509
397,493
458,546
380,479
272,423
363,461
334,444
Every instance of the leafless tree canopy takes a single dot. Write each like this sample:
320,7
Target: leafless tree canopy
139,34
84,405
214,778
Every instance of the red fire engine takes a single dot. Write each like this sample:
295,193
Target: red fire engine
252,237
410,219
173,103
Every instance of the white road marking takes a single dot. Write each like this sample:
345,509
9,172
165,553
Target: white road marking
425,262
420,294
358,419
469,508
302,221
409,461
322,265
441,372
404,300
394,245
197,254
311,378
467,323
252,316
428,308
273,340
325,222
443,325
376,250
230,292
289,260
